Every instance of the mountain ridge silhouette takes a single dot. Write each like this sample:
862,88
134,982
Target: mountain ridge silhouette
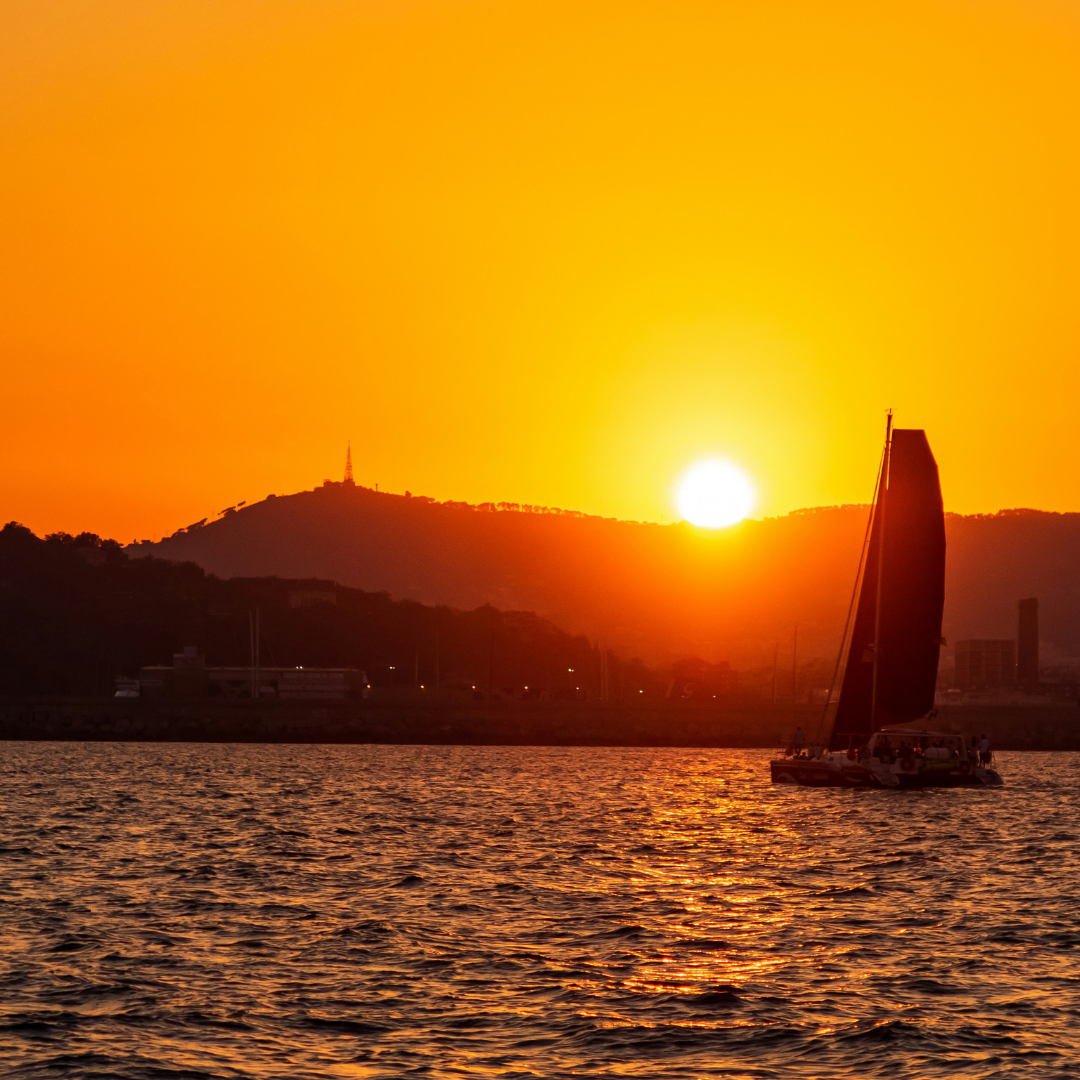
658,591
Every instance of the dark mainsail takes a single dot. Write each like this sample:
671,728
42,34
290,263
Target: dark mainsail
912,598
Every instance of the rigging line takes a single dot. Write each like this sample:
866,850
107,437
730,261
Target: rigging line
854,598
884,501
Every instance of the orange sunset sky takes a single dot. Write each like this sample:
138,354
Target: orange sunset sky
540,252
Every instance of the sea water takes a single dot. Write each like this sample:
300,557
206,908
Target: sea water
182,910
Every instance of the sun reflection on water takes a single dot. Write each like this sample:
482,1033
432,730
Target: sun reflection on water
368,911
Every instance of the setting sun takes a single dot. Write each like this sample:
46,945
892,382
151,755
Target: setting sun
715,493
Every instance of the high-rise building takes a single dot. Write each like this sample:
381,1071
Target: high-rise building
1027,648
983,664
348,464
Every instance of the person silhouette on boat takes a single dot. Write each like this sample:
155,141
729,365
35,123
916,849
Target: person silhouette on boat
883,750
797,741
984,751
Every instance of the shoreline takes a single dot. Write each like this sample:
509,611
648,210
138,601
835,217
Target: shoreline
449,723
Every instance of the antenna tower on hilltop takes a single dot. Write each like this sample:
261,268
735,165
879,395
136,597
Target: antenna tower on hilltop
348,464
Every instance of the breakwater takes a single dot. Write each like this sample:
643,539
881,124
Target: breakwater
1020,727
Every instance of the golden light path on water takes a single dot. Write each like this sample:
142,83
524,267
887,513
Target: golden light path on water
377,911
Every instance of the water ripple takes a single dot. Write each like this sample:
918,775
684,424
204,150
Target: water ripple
285,911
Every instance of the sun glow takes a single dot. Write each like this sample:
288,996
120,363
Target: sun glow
715,493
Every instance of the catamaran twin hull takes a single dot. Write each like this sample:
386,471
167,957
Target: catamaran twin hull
845,773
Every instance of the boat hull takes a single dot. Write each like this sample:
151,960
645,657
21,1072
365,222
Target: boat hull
808,772
976,778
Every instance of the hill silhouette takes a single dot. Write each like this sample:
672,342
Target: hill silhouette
76,611
647,590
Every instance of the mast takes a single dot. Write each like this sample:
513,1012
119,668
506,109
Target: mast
884,487
251,650
775,661
794,669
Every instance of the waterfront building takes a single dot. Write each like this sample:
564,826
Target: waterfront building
1027,649
985,663
189,678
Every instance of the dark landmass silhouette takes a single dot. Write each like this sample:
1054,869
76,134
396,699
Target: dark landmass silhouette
75,612
660,592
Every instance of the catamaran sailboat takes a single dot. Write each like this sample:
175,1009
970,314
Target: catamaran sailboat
879,732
